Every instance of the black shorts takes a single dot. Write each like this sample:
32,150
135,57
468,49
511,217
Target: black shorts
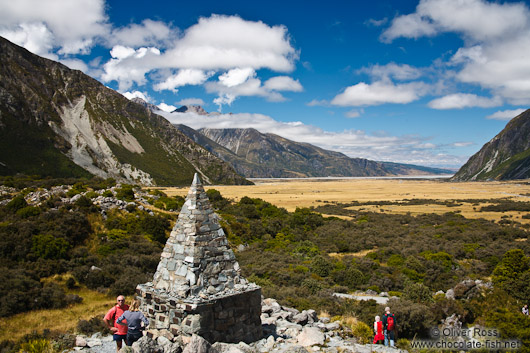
133,337
116,337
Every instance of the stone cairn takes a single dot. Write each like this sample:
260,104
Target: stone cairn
197,287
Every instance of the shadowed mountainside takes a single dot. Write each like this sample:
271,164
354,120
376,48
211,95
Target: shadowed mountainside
59,122
505,157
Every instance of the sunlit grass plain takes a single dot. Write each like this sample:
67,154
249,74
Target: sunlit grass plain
293,193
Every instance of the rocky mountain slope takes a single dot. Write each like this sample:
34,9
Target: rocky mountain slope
59,122
254,154
505,157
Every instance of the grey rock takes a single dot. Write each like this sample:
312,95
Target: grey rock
199,345
147,345
80,341
310,336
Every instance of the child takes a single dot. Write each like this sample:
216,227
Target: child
378,329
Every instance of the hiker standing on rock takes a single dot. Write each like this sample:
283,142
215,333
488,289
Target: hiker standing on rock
378,329
133,318
119,332
389,324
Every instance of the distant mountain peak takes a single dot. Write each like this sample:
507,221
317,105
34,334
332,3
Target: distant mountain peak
191,109
148,105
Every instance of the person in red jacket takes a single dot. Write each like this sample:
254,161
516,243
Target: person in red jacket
119,332
378,329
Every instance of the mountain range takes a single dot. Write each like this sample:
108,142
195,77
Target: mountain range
59,122
505,157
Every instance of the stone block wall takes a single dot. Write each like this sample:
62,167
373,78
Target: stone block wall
233,318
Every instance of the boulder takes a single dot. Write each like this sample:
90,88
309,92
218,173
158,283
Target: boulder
80,341
310,336
199,345
147,345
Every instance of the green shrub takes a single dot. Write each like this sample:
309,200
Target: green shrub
28,211
47,246
36,346
125,193
362,332
16,204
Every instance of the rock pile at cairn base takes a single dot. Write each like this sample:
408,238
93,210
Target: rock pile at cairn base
198,287
285,330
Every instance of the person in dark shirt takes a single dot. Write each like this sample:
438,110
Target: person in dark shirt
133,320
389,325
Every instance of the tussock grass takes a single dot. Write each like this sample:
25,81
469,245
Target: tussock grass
291,194
62,320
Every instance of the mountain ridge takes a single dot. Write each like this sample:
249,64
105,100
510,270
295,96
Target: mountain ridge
255,155
505,157
59,122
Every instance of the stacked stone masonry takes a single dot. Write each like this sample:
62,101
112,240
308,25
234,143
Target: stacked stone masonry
197,287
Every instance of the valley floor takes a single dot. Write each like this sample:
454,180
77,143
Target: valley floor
293,193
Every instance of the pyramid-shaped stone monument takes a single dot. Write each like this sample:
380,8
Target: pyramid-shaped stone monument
197,287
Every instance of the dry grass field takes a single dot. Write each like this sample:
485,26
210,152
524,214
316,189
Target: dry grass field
294,193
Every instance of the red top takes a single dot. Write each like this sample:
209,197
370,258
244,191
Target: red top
113,314
379,335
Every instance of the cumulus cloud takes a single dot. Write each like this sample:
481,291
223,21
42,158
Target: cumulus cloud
236,76
129,66
182,78
354,143
466,17
70,25
148,33
167,108
137,94
505,114
464,100
380,92
496,51
283,83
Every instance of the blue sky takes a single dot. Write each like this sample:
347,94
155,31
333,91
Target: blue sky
424,82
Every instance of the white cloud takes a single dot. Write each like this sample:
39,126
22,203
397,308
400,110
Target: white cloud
505,114
392,70
167,108
137,94
191,101
283,83
462,144
408,26
354,143
463,16
71,25
380,92
75,64
317,102
182,78
236,76
148,33
226,42
464,100
496,51
354,113
129,66
251,87
35,37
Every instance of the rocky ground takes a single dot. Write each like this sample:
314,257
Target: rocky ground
285,330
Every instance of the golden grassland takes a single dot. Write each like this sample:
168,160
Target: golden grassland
293,193
60,320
